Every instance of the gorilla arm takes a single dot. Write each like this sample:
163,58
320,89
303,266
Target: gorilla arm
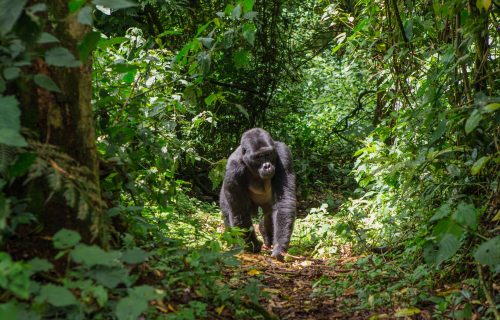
284,208
235,203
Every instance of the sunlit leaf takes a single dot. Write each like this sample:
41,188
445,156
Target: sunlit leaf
473,121
479,164
115,4
407,312
491,107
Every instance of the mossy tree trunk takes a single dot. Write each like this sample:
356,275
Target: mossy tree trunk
64,120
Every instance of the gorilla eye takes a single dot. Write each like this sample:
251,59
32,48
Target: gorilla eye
243,150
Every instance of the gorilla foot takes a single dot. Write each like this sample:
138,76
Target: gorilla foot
253,247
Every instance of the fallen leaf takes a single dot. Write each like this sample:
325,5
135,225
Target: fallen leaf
349,291
406,312
254,272
379,316
220,309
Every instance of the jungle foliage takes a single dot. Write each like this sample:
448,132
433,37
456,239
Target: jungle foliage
117,118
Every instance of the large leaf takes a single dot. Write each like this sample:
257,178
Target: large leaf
57,296
130,308
479,164
46,82
109,277
473,121
61,57
249,31
94,256
488,253
466,215
65,238
114,4
442,212
10,10
135,255
10,123
447,247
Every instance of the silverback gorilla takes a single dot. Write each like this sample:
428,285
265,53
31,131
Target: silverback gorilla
259,173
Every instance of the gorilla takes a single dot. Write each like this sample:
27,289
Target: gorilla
259,173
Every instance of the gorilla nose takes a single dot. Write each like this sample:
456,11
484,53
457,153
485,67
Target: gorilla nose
267,166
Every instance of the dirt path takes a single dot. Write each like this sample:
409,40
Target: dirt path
290,287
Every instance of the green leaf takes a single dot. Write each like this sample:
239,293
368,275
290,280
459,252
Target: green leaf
447,247
249,31
10,11
11,73
12,138
479,164
407,312
93,255
488,253
104,43
88,45
65,238
10,123
473,121
8,310
109,277
46,82
114,4
57,296
241,59
466,215
99,293
130,308
22,164
46,38
236,13
242,110
442,212
40,265
134,256
74,5
146,292
61,57
447,226
491,107
85,16
248,5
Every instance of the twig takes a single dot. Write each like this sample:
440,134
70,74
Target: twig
487,292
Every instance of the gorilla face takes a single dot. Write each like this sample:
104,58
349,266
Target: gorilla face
259,154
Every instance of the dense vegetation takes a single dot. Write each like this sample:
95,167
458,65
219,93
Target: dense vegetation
117,118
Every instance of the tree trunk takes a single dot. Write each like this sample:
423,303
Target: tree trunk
63,120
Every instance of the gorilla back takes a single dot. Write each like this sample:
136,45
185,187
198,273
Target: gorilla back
259,173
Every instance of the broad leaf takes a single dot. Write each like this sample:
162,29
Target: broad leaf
57,296
11,73
88,45
93,255
61,57
473,121
109,277
249,31
442,212
65,238
479,164
135,255
10,11
46,82
10,123
488,253
114,4
40,265
447,247
46,38
130,308
85,16
466,215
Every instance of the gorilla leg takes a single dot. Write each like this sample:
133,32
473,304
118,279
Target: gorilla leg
266,226
237,211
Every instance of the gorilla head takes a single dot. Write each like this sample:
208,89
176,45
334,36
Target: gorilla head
258,152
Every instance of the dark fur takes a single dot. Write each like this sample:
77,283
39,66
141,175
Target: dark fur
237,203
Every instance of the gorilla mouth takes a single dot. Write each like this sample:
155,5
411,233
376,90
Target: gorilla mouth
266,174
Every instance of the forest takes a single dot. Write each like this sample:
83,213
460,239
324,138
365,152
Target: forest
122,120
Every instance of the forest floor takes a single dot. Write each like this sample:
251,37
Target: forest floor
292,292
